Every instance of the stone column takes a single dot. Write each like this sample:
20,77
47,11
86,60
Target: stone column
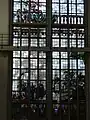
3,86
88,86
4,29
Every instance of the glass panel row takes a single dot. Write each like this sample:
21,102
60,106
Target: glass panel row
36,37
63,12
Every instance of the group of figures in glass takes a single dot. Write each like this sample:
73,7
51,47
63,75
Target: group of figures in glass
35,12
31,93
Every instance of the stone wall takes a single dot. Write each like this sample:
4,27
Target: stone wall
4,29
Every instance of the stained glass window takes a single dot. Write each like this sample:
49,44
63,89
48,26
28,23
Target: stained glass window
29,80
